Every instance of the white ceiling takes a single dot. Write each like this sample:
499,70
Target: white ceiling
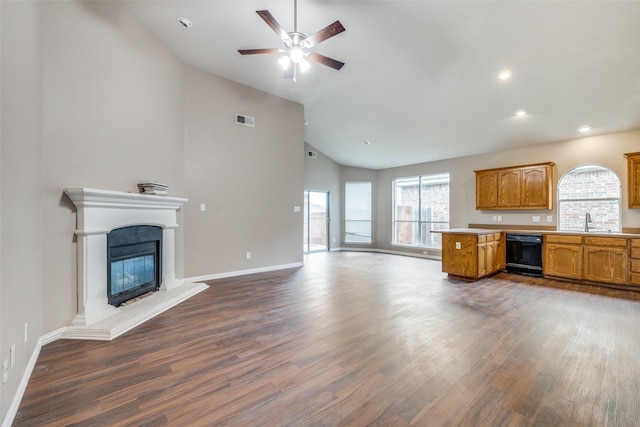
420,81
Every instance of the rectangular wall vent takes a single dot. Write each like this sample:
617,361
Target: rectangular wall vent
245,120
312,154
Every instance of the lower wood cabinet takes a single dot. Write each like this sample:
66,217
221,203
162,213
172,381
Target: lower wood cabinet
596,259
471,255
605,260
634,262
562,260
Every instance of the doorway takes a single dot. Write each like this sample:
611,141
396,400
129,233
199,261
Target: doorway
316,221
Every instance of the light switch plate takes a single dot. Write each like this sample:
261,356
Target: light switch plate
536,218
458,245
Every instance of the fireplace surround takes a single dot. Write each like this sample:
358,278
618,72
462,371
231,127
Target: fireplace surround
99,212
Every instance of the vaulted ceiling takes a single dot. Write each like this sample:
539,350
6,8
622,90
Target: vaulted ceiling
421,77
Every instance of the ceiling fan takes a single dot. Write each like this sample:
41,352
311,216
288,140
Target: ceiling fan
297,45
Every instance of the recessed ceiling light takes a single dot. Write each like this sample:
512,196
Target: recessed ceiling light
185,22
367,142
521,112
584,128
504,75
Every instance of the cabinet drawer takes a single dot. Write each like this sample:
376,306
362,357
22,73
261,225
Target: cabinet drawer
482,238
635,266
635,279
562,238
635,243
635,253
606,241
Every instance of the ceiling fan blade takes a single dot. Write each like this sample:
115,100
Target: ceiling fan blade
260,51
325,60
274,24
322,35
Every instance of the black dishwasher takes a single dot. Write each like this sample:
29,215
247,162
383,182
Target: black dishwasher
524,254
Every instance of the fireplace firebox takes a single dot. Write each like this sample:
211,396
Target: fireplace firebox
134,262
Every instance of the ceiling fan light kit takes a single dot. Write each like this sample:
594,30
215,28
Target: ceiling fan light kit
297,45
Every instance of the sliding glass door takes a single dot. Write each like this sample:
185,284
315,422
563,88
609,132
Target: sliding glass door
316,221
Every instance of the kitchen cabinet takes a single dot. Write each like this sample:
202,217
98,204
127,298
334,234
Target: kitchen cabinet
605,260
486,190
634,261
516,187
562,256
471,254
633,179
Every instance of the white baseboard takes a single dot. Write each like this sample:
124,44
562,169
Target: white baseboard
22,387
243,272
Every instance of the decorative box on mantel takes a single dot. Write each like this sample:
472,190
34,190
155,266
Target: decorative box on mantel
99,212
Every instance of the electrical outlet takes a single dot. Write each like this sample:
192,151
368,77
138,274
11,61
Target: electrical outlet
5,371
12,355
26,332
458,245
203,207
549,218
499,218
495,218
247,255
536,218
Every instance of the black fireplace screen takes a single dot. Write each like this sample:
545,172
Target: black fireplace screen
134,262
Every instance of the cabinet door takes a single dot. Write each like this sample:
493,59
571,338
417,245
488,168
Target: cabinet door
562,260
492,257
536,187
486,190
633,173
460,261
509,188
483,262
605,264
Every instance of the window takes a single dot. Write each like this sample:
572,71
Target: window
357,212
421,205
589,189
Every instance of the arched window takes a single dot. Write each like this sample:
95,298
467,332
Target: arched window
592,190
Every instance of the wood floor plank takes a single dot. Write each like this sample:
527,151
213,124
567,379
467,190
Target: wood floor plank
356,339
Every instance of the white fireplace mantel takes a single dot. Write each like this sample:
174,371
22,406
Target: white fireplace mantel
98,213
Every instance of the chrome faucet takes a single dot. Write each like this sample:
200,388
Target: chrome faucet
587,222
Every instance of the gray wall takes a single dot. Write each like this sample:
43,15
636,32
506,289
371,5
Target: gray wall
91,99
248,178
323,174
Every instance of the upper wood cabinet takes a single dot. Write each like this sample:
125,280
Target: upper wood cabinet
486,189
515,187
633,176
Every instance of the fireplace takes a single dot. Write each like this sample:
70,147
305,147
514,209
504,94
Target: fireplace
126,246
134,262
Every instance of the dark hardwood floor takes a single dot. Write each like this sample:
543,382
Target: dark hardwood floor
357,339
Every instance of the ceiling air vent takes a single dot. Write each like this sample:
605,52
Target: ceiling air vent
312,154
245,120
